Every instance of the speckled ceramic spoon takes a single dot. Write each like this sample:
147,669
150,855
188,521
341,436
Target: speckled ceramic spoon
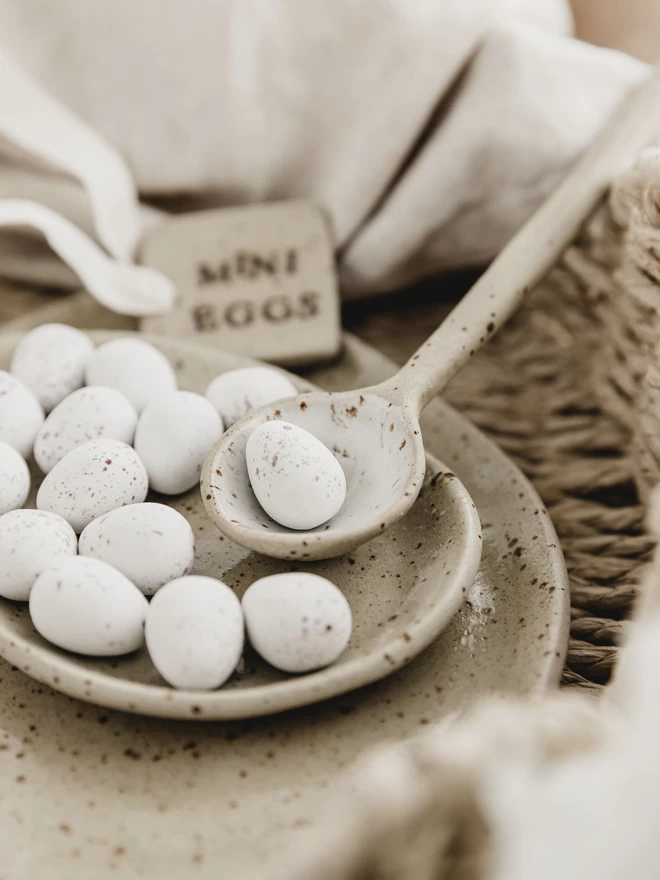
375,432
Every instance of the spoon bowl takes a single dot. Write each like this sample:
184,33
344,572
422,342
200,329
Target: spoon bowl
378,444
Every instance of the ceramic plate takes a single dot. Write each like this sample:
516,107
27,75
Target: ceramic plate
88,792
403,588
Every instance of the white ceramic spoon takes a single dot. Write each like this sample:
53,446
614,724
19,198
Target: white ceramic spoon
375,432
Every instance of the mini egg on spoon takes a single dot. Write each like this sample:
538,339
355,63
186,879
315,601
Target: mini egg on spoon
374,433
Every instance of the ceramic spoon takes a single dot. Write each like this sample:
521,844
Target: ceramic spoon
374,432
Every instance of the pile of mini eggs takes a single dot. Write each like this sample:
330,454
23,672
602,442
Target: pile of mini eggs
104,425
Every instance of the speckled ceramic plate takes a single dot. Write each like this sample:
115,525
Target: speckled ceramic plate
403,588
88,792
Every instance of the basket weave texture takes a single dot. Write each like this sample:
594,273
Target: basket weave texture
570,389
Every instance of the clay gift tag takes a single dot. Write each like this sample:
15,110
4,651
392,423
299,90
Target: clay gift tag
257,280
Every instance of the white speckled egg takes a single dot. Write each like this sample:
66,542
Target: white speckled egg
134,367
87,606
173,437
51,361
297,621
87,414
14,479
151,544
297,480
21,414
30,542
194,632
92,480
235,393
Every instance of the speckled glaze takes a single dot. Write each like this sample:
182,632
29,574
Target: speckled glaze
297,479
51,361
151,544
86,414
89,792
91,480
30,542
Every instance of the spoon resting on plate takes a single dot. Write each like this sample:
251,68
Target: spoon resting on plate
374,432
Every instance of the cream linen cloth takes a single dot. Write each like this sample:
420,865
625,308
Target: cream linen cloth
428,130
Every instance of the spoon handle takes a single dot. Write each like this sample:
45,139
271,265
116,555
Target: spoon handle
531,252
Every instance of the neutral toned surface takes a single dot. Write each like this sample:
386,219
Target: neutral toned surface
631,26
108,789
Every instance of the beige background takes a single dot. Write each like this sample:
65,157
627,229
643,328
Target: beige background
630,25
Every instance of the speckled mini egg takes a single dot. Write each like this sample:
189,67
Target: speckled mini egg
87,414
87,606
30,542
14,479
297,621
21,414
195,632
91,480
134,367
151,544
173,437
297,480
51,361
235,393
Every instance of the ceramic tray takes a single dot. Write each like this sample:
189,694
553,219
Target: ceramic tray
88,792
403,587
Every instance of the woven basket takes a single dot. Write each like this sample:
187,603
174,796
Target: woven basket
571,390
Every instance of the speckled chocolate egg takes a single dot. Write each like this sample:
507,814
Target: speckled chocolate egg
235,393
297,621
87,414
134,367
87,606
173,437
30,542
21,414
194,632
151,544
297,480
14,479
51,361
93,479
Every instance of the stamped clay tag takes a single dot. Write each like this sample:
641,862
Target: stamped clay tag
257,280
